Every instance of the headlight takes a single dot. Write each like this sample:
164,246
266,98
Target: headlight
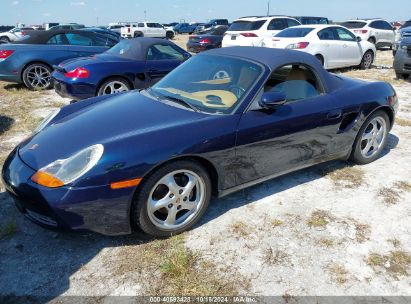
46,121
404,47
64,171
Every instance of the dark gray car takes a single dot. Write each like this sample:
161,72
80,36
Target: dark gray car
402,60
403,32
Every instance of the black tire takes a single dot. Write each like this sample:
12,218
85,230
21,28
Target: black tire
103,87
5,39
139,211
372,40
169,35
366,63
402,76
138,34
320,58
27,76
394,52
356,155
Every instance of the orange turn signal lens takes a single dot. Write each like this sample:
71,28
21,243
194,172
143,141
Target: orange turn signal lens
126,183
46,180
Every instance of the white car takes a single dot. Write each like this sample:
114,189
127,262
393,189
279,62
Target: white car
250,31
144,29
335,46
13,35
376,31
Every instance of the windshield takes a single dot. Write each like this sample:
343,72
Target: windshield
354,24
294,32
211,84
313,20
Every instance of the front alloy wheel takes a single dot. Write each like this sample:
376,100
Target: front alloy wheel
172,199
367,60
176,199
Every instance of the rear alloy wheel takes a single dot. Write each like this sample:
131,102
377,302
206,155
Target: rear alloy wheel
367,60
5,39
371,138
402,76
172,199
169,35
37,76
113,86
320,59
372,40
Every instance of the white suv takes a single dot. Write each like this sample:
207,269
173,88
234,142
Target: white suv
250,31
376,31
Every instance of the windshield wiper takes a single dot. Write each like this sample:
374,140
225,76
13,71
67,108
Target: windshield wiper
182,102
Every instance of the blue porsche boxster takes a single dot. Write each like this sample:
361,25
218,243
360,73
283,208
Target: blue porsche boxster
224,120
131,64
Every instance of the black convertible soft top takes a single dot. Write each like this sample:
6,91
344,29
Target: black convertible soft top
137,48
41,37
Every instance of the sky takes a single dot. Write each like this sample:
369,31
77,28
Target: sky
102,12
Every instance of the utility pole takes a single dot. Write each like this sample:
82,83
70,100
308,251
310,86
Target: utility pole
268,8
145,15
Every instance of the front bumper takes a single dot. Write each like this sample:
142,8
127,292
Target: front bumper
77,91
99,209
402,61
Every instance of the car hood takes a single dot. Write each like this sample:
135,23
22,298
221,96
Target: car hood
104,122
405,29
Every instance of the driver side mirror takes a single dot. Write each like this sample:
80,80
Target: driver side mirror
359,39
271,100
186,56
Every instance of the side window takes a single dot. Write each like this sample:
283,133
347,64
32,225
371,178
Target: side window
163,52
296,81
377,25
276,25
79,39
345,35
141,25
292,22
59,39
151,25
386,26
158,25
327,34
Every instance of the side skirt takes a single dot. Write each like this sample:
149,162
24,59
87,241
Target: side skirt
342,155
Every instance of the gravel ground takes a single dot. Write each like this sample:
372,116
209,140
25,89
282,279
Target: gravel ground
334,229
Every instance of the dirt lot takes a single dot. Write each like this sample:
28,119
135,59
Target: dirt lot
335,229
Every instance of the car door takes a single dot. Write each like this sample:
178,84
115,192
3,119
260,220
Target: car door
350,48
299,133
160,60
330,47
377,31
151,29
84,44
389,32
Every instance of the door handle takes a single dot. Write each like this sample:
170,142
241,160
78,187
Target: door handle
334,114
344,45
